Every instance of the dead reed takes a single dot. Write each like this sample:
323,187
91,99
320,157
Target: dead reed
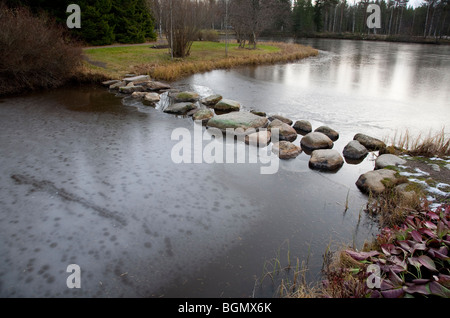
181,68
430,145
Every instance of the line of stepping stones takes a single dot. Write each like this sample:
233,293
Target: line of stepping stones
222,113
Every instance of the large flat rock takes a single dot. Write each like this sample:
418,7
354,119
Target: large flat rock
227,105
234,120
369,142
387,160
374,181
286,132
136,79
316,140
286,150
180,108
326,159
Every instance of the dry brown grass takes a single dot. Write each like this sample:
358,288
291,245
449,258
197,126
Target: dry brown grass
344,277
181,68
392,206
298,287
430,145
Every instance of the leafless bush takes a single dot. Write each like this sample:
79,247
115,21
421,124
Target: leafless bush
208,35
180,21
35,52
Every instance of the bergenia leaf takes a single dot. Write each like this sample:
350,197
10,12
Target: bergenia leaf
427,262
427,232
414,261
359,256
443,250
437,254
439,290
441,229
390,249
375,294
404,245
418,247
393,293
395,279
386,248
430,225
444,280
421,289
397,268
421,281
433,243
416,236
432,215
386,285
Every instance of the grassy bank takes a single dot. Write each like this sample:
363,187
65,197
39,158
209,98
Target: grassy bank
412,249
115,62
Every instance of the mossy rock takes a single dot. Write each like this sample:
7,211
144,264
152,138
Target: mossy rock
186,96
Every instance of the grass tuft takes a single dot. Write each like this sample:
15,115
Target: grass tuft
430,145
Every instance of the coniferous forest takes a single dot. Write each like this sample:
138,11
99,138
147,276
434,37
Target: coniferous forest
102,21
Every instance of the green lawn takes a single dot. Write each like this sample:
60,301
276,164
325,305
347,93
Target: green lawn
114,62
122,59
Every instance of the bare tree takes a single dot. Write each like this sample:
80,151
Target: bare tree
180,20
249,18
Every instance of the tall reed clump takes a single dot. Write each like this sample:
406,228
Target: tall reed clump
430,145
181,68
35,52
289,278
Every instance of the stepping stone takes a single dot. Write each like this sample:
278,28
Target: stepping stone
180,108
374,181
355,151
370,143
211,100
303,127
281,118
316,140
326,159
286,132
387,160
286,150
259,139
238,120
331,133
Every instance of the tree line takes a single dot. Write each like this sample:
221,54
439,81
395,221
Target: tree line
180,20
430,19
102,21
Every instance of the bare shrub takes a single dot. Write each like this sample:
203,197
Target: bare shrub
36,53
208,35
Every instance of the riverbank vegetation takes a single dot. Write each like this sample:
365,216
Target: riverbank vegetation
114,62
429,145
408,260
36,52
102,22
410,257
